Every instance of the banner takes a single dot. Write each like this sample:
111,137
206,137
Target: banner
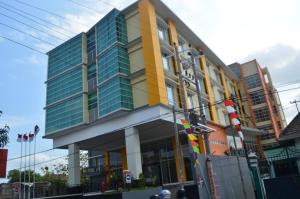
3,162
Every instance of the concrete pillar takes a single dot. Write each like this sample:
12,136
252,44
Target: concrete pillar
133,151
74,165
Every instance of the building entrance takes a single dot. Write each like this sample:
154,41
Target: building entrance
159,166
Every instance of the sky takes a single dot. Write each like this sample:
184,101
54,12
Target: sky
237,31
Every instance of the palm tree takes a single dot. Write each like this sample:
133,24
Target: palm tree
4,135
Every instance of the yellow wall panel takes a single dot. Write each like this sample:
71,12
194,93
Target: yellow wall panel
174,39
209,90
152,55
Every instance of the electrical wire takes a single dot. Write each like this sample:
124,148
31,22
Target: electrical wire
37,22
49,12
30,26
37,17
84,6
24,45
25,33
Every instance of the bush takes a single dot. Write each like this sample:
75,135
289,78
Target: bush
142,182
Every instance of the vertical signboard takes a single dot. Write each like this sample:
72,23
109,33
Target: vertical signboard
3,162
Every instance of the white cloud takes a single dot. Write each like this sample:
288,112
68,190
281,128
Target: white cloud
234,29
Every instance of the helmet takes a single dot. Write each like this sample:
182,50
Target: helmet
165,194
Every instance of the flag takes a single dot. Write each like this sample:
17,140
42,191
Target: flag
189,131
233,115
31,136
229,102
196,149
241,135
192,137
235,122
238,128
230,109
19,139
36,129
25,137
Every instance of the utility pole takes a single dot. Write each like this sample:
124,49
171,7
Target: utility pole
178,149
295,102
239,164
202,115
237,155
184,106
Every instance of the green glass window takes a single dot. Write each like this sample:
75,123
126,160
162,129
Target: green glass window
65,56
64,86
111,29
64,115
92,101
112,62
92,71
115,94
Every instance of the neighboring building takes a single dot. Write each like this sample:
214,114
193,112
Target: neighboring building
263,100
111,90
284,158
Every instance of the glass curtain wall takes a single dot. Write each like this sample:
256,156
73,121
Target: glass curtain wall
159,163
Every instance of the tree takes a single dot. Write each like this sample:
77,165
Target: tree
14,176
4,135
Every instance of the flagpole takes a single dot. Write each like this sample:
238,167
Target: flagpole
33,194
20,172
24,191
29,167
36,130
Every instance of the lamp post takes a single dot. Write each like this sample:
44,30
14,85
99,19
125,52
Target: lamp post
253,161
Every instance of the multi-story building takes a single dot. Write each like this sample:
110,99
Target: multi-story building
262,98
111,91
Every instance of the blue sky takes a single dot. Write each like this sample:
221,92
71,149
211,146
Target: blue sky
235,30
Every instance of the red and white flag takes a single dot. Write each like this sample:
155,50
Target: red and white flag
235,121
25,137
241,135
228,102
19,139
230,109
233,115
31,137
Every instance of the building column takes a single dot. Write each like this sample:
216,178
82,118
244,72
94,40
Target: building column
156,87
212,106
107,167
133,151
227,94
74,165
124,158
236,90
174,39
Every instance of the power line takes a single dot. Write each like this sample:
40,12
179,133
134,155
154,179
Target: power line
84,6
47,11
16,158
35,21
25,33
41,19
14,19
26,46
288,83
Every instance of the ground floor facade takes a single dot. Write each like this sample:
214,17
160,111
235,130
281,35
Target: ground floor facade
142,142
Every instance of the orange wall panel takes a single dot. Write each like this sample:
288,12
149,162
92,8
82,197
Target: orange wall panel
218,139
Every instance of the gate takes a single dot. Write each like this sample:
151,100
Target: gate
283,187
